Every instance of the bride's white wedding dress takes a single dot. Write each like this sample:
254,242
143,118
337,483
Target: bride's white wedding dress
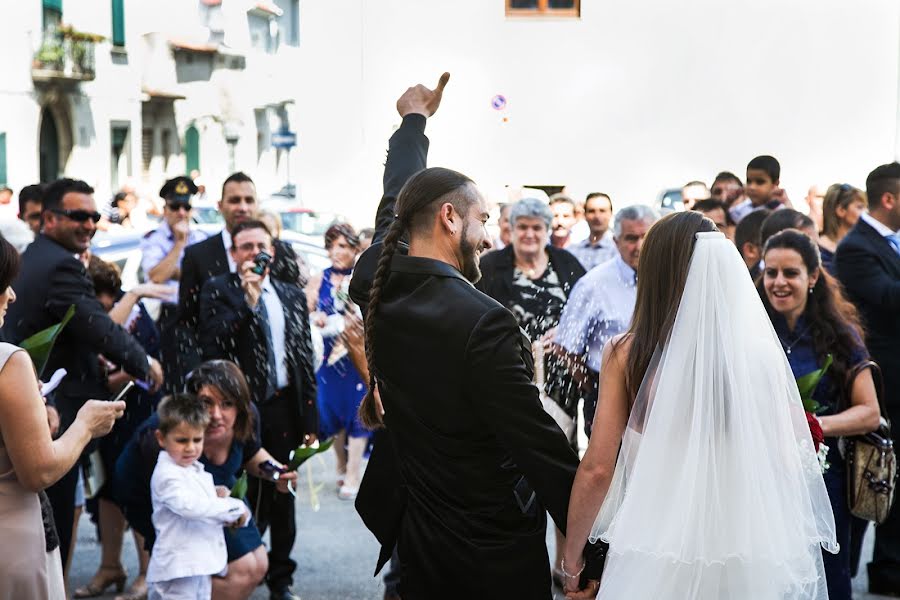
717,493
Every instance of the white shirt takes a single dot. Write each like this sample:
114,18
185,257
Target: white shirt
275,311
188,518
226,239
877,225
599,308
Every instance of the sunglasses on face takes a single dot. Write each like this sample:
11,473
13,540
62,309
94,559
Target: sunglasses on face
176,206
79,216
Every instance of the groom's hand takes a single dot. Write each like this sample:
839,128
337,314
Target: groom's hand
421,100
589,592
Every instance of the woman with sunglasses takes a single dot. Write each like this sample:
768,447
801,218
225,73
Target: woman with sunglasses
841,208
230,445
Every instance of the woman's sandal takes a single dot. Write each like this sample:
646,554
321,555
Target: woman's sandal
105,577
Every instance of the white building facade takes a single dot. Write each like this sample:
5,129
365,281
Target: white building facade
628,98
131,92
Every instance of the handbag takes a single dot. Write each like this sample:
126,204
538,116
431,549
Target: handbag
871,461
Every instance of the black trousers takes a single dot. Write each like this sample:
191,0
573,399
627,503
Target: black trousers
280,435
62,499
173,341
884,570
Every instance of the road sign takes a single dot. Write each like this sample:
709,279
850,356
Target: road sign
284,139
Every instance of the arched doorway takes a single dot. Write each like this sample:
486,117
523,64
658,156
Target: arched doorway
49,148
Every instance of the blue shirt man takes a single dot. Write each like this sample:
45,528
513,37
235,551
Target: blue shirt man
599,246
601,304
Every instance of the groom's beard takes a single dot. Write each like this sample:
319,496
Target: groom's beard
470,256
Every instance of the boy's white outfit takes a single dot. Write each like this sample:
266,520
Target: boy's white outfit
188,517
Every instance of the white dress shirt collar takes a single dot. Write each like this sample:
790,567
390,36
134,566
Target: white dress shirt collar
226,241
877,225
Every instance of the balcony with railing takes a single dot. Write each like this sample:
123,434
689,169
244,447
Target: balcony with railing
65,55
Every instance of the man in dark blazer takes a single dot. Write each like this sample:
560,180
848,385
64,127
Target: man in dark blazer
51,279
468,462
212,257
262,324
868,265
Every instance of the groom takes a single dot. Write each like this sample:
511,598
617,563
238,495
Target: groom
462,475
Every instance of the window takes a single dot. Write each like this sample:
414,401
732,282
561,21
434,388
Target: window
191,149
120,154
118,23
264,34
2,159
543,8
52,14
290,21
166,151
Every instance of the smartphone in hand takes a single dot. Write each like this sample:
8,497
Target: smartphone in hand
122,392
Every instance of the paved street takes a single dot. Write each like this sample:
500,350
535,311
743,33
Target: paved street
335,552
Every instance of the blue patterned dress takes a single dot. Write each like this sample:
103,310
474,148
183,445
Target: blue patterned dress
340,388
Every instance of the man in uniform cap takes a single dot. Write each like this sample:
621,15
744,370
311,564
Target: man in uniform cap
163,251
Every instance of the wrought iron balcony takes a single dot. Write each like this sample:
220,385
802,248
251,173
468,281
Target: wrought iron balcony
66,55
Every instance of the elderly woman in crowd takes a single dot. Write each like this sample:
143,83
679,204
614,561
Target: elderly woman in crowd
841,209
533,280
812,320
230,445
31,460
340,387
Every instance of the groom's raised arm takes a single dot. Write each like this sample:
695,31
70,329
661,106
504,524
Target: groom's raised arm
407,155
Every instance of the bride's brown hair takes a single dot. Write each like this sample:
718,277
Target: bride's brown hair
662,273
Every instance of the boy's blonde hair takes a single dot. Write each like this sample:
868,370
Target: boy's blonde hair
181,408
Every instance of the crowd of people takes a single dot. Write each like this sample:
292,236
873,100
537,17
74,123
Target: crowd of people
249,357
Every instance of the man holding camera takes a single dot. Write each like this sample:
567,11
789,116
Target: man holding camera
262,324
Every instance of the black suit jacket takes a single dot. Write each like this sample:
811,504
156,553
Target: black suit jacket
208,259
50,280
869,269
230,329
478,460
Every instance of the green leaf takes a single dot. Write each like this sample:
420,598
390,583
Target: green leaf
303,453
40,345
806,384
239,490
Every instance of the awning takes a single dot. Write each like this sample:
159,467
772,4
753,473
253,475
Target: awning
194,47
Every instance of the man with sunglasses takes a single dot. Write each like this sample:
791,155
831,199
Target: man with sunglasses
50,280
162,254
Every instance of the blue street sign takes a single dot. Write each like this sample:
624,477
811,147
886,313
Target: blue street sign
284,139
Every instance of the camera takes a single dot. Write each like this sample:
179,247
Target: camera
261,262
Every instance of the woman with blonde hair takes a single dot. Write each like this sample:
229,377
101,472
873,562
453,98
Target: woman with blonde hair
841,208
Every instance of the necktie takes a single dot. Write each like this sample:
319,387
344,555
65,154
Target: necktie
271,370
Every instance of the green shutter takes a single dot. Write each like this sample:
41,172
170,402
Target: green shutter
118,22
53,5
2,159
192,149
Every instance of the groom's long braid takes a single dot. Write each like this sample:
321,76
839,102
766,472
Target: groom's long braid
421,191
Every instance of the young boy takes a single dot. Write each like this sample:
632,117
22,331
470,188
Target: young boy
188,512
762,191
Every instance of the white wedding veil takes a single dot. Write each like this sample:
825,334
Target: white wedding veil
717,492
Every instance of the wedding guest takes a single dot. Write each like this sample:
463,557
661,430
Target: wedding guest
728,188
53,279
31,203
31,460
230,445
534,281
340,388
126,309
563,210
841,209
813,320
599,246
601,305
692,192
747,240
366,235
787,218
868,264
188,510
715,210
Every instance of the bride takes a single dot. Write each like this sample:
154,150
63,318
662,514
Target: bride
700,474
